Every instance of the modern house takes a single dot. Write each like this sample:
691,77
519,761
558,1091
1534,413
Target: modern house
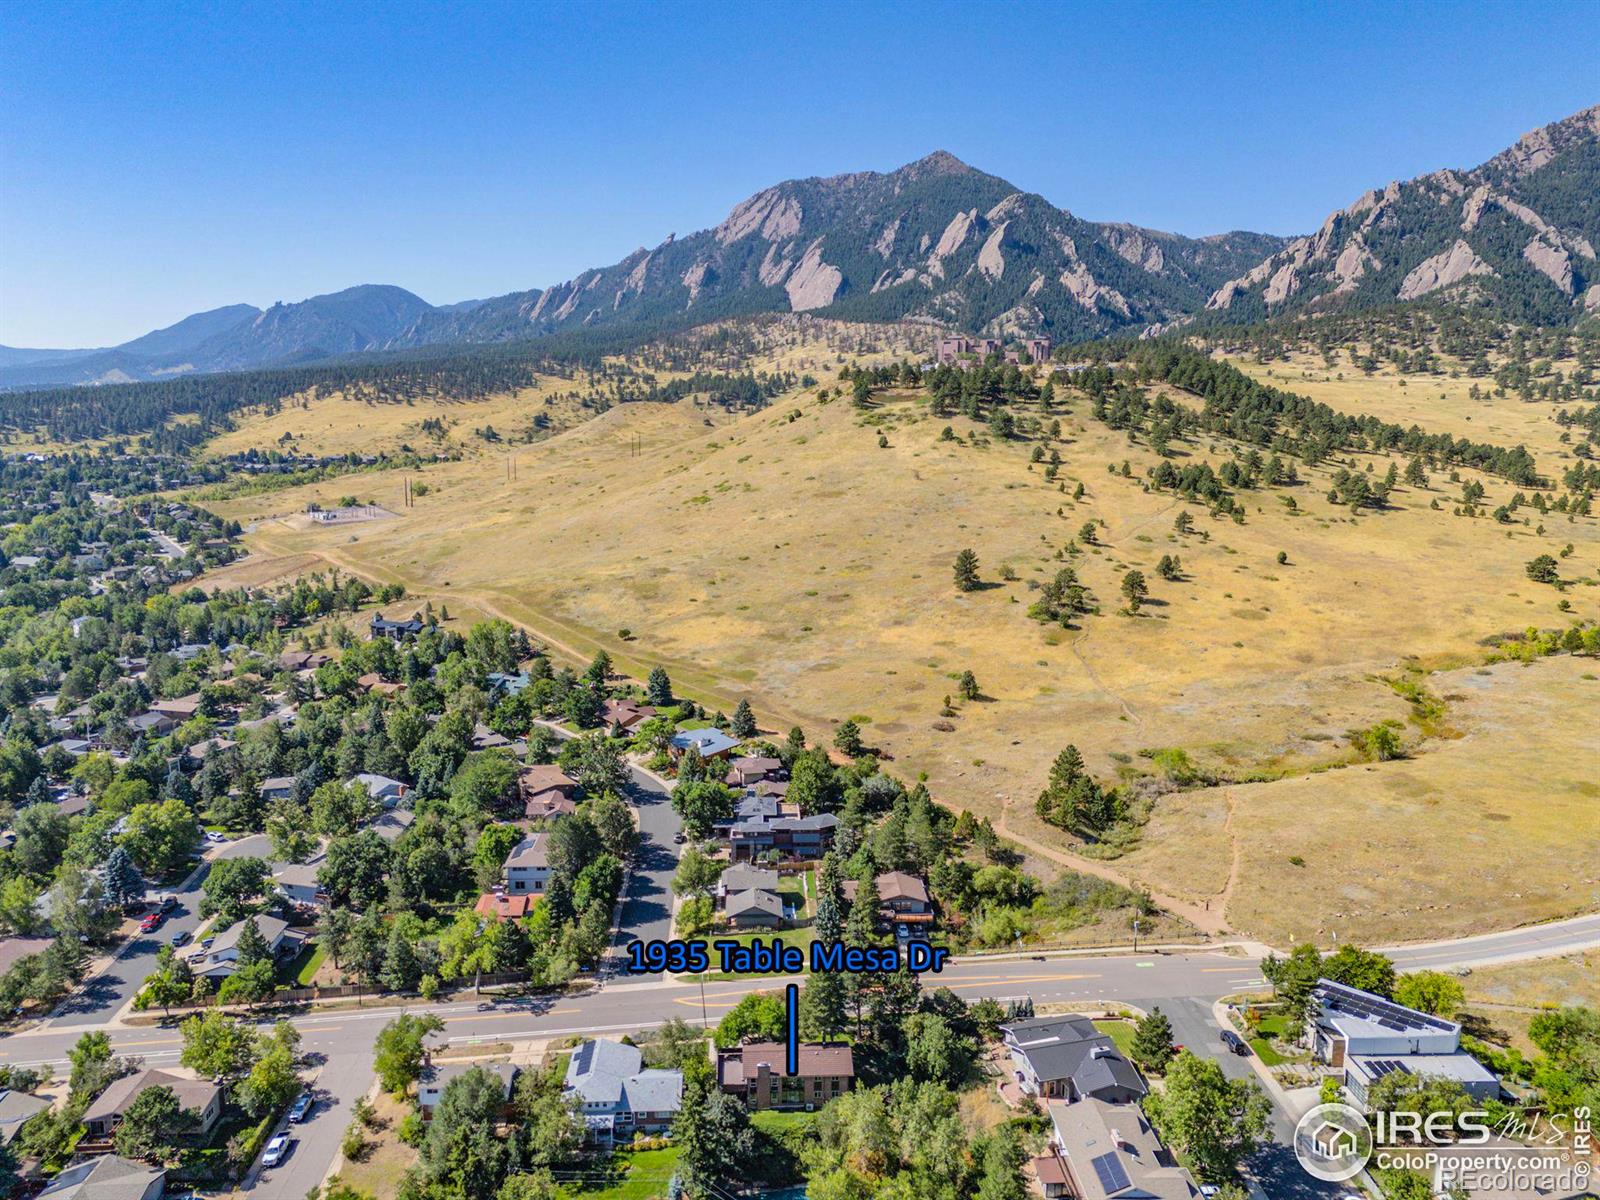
546,791
618,1095
527,867
109,1177
1104,1151
220,959
297,883
200,1096
711,743
434,1079
799,838
757,1073
1369,1037
395,631
387,792
1067,1058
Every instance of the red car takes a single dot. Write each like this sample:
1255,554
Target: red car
151,923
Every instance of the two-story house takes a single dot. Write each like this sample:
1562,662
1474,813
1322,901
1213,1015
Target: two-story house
1067,1058
617,1094
527,867
758,1074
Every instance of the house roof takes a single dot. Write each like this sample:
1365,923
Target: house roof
15,1108
892,885
295,875
1113,1153
1357,1013
271,928
754,901
599,1067
1460,1066
708,741
119,1093
13,949
816,1059
439,1076
1072,1048
378,785
544,777
393,823
109,1177
529,852
498,904
277,783
742,878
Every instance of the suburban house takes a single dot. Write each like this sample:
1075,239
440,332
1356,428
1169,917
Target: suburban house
1370,1037
297,883
109,1177
801,838
372,682
503,907
618,1095
623,717
15,1109
393,823
712,743
754,806
200,751
1104,1151
151,724
201,1096
278,787
303,660
180,710
902,899
502,684
546,791
1067,1058
387,792
221,958
747,897
751,770
527,867
485,738
434,1080
395,631
757,1074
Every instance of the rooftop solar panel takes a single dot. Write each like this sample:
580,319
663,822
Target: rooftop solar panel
1112,1174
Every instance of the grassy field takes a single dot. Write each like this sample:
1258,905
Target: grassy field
1502,1000
786,557
644,1175
387,1158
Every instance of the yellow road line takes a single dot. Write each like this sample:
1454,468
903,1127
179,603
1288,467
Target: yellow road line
510,1016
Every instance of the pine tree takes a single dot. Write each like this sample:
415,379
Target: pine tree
252,947
743,724
124,885
848,738
861,929
1152,1041
658,688
966,571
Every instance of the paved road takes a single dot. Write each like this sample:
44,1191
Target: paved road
647,908
1511,945
100,998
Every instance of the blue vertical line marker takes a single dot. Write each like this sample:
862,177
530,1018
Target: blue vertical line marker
791,1055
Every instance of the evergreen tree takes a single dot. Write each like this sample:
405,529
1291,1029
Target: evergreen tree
848,738
124,885
252,946
743,724
966,571
1152,1045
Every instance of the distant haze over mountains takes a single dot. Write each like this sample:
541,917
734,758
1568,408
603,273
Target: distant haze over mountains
940,241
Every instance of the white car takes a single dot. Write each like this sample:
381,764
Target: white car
277,1150
215,838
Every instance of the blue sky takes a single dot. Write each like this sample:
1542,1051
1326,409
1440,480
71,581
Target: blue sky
159,159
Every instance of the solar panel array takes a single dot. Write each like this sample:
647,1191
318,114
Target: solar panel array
1112,1174
1378,1068
1375,1008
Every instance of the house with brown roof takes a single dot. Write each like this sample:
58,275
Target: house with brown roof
502,907
546,791
751,770
757,1073
373,682
180,710
101,1118
303,660
622,718
902,899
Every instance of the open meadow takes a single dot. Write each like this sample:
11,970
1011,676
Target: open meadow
801,556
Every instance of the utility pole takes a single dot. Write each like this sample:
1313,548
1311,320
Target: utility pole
1136,935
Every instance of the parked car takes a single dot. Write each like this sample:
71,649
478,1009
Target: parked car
169,902
1234,1042
215,838
151,923
181,938
277,1150
302,1108
680,838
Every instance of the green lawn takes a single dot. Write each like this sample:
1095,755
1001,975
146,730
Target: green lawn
303,967
1272,1026
1120,1032
644,1176
789,937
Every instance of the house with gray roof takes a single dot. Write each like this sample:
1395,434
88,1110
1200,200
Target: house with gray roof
527,867
200,1096
712,743
15,1109
1067,1058
220,959
1104,1151
109,1177
436,1078
618,1095
754,909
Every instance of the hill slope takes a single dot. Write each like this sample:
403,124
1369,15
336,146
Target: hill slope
1516,235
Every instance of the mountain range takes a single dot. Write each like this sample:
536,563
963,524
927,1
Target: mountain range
942,242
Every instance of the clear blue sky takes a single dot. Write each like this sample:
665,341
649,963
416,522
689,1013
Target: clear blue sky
158,159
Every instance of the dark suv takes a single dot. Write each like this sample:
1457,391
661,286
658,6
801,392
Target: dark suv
1234,1042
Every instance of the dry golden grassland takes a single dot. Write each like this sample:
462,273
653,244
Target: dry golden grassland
796,562
1507,997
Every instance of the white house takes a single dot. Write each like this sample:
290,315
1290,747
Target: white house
527,867
297,883
617,1094
1370,1037
387,792
220,958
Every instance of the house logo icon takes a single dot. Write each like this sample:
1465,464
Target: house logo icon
1332,1142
